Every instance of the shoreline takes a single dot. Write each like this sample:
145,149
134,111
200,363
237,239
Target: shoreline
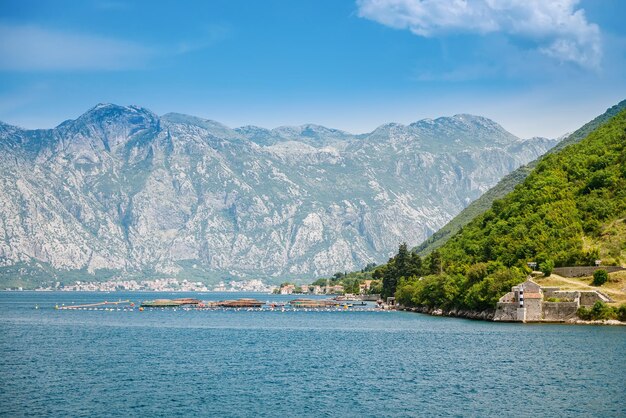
487,316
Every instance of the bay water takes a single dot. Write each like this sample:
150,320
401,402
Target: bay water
301,363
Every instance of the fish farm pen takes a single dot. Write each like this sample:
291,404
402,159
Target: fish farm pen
168,303
241,303
313,303
247,304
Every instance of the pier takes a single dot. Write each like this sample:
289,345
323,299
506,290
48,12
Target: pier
95,305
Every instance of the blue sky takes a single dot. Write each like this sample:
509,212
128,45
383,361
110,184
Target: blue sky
537,67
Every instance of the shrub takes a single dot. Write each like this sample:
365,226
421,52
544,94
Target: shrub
584,313
602,311
546,267
600,277
477,272
558,300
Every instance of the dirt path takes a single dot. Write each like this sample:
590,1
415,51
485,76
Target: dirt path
585,286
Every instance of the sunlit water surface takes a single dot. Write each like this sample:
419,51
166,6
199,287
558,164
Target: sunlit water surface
296,363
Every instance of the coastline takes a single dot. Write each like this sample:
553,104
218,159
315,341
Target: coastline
454,313
489,315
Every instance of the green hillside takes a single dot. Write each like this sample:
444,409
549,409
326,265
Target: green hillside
507,184
564,213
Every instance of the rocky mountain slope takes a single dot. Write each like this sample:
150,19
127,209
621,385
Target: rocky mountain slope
122,190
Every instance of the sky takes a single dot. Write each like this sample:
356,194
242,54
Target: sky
537,67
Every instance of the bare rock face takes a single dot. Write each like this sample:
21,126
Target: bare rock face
122,191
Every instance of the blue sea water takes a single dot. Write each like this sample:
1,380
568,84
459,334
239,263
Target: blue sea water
296,363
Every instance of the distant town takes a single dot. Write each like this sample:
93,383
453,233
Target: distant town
174,285
160,285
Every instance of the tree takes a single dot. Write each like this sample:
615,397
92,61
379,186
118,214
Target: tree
435,266
369,267
351,285
319,282
404,264
600,277
547,267
402,260
390,282
376,287
380,272
477,272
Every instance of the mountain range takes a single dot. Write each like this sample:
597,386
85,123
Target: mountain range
120,190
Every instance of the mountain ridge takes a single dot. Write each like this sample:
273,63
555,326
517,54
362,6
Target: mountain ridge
112,109
120,190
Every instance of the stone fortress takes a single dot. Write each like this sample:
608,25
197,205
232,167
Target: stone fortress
529,302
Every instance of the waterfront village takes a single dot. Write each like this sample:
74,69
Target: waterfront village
160,285
174,285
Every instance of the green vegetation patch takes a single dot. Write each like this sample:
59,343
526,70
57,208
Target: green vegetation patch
600,277
602,311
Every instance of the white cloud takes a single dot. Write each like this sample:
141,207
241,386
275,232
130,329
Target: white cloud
556,27
208,36
28,48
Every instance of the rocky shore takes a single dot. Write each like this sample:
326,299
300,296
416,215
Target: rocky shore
488,315
595,322
457,313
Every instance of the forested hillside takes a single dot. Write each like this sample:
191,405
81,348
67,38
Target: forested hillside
508,183
565,213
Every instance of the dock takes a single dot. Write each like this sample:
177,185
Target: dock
95,305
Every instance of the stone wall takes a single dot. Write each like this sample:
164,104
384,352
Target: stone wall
572,295
548,292
583,297
559,311
584,271
533,309
506,312
588,298
508,298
